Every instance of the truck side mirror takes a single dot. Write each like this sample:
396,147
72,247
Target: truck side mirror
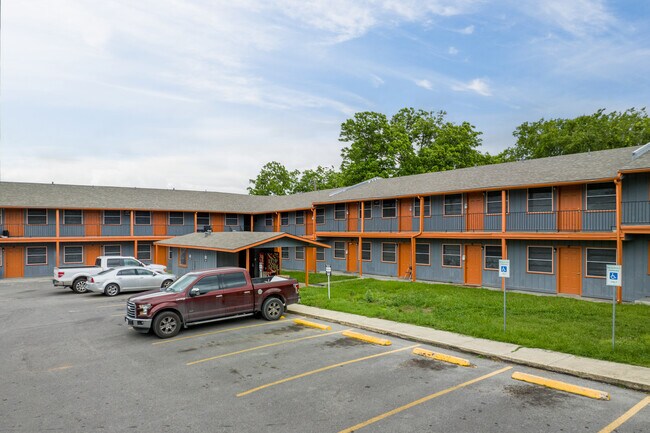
194,291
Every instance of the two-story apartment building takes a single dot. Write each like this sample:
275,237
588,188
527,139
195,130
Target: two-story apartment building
559,221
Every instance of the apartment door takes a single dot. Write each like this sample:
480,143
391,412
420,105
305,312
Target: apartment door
475,210
14,222
405,215
159,221
353,217
404,259
91,252
92,223
217,221
569,208
569,271
352,257
473,265
14,262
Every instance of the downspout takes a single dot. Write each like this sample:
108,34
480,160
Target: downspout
619,239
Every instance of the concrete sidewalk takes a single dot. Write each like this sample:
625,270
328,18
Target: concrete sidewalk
629,376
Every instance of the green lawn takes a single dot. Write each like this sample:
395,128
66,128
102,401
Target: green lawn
565,325
317,278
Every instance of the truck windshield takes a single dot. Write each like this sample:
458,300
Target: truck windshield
180,284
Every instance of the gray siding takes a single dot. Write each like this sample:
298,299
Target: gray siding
636,281
41,270
636,199
185,228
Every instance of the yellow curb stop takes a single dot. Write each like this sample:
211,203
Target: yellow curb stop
442,357
562,386
312,324
367,338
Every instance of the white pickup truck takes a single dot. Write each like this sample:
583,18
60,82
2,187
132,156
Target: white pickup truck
75,277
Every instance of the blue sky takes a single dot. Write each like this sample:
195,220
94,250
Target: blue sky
197,94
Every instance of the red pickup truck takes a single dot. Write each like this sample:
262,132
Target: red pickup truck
209,296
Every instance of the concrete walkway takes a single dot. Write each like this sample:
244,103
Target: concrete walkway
629,376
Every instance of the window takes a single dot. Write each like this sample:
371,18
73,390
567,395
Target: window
131,262
601,196
208,284
389,252
422,254
339,250
268,220
427,206
232,219
493,202
598,259
300,253
366,251
285,253
112,250
176,219
320,215
232,280
144,252
111,263
37,255
143,217
451,255
73,217
300,217
389,208
170,254
540,200
202,219
367,210
182,257
127,272
36,216
540,260
144,272
320,254
284,218
453,205
339,211
492,257
112,217
73,254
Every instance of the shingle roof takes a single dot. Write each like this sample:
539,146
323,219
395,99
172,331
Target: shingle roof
234,241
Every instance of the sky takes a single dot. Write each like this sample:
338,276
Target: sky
200,94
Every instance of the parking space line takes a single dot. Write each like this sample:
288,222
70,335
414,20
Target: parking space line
320,370
262,347
203,334
561,386
63,367
626,416
422,400
442,357
112,306
117,315
312,324
367,338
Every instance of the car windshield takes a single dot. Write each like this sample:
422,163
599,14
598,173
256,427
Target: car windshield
180,284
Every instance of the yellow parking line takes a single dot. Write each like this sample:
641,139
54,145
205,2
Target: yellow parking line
63,367
262,347
442,357
626,416
312,324
367,338
203,334
562,386
320,370
420,401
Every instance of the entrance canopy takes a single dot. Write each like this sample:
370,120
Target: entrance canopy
234,242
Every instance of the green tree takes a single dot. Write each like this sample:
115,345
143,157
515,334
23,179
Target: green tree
596,131
274,179
320,178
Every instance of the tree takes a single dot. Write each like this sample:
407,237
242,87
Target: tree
596,131
320,178
274,179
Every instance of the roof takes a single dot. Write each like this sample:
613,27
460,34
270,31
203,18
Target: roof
237,241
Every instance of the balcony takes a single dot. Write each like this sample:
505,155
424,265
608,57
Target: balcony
636,213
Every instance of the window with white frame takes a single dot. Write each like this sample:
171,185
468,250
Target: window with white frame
300,217
300,253
232,219
36,216
36,255
451,255
339,250
423,253
598,259
268,220
493,202
339,211
284,218
320,254
540,260
144,252
366,251
112,217
389,252
492,257
112,250
427,206
72,217
285,253
453,205
540,200
389,208
176,219
320,215
601,196
143,218
73,254
202,219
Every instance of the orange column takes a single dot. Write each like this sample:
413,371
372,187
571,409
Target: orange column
248,258
131,216
313,222
504,250
360,256
252,223
619,238
135,249
57,233
362,218
56,220
195,221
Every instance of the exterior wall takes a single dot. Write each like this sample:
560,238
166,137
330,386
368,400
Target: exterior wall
46,230
260,224
123,229
185,228
41,270
636,268
293,228
636,199
199,260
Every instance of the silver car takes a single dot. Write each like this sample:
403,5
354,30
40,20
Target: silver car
128,279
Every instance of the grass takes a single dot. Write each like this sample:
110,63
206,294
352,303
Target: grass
566,325
317,278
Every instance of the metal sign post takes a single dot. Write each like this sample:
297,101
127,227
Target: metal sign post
614,273
328,271
504,272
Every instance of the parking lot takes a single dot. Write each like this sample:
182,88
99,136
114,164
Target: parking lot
69,363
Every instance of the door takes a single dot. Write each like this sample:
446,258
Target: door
404,259
475,208
218,222
91,252
473,265
569,209
353,217
569,271
92,224
209,303
159,223
128,279
237,294
14,222
352,256
405,215
14,262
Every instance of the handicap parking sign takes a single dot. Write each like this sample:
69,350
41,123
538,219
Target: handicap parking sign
613,275
504,268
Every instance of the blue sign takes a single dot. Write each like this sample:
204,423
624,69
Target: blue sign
613,275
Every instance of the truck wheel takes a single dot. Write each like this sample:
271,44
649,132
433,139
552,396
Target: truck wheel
112,290
167,324
166,284
272,309
79,285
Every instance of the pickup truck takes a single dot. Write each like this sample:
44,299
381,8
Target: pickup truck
209,296
75,277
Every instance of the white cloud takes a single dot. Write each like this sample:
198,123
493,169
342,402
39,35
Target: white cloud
477,85
467,30
425,84
578,17
376,80
453,51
